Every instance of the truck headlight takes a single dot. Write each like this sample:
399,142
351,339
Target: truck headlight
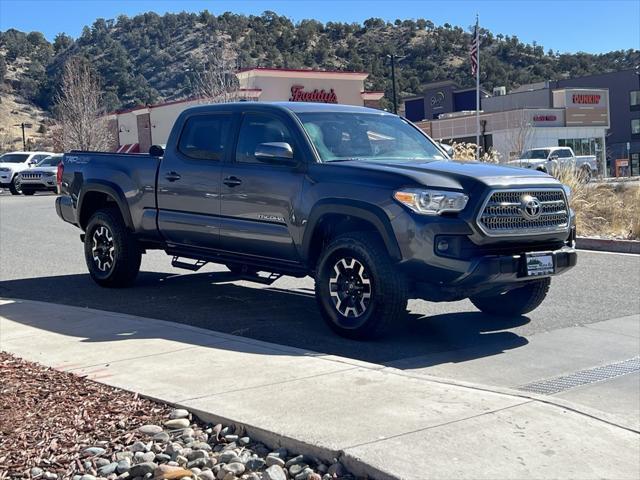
567,191
431,202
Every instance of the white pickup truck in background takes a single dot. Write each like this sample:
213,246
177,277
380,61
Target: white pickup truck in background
548,159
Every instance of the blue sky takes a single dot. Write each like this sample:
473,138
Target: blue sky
593,26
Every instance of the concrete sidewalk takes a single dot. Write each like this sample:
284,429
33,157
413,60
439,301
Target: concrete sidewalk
379,421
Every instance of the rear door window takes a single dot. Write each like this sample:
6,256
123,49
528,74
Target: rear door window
205,137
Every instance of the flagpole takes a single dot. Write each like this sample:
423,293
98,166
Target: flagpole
477,89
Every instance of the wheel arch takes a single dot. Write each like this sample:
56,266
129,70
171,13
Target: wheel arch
333,217
98,194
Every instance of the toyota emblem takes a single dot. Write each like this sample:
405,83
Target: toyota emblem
530,207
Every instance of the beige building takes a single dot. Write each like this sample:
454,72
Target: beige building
574,117
139,128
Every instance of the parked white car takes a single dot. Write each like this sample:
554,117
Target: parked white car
40,178
548,159
12,163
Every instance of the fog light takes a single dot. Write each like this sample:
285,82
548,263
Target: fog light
442,245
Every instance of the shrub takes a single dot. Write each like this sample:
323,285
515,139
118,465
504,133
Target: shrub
603,209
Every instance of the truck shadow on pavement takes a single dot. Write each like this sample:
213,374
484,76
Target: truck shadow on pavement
212,301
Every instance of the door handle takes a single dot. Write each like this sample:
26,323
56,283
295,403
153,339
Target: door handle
172,176
232,181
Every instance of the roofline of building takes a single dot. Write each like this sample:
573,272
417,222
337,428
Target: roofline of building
304,70
300,73
174,102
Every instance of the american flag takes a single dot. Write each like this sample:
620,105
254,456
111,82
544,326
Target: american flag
473,51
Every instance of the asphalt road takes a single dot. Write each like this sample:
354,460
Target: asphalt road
42,259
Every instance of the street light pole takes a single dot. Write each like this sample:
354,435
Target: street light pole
24,138
393,81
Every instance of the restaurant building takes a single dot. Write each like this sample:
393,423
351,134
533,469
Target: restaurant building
595,115
138,128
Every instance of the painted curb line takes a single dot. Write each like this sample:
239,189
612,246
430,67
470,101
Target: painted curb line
608,245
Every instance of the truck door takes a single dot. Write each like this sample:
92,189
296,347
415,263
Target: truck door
189,181
258,198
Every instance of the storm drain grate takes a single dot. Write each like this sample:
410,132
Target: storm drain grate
583,377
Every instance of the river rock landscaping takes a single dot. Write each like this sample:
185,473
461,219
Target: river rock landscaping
57,425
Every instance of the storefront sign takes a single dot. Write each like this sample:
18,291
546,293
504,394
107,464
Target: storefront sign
544,118
298,94
438,99
586,99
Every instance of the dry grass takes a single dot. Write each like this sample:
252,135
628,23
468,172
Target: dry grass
603,210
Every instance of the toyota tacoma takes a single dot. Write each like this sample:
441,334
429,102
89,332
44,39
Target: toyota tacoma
359,199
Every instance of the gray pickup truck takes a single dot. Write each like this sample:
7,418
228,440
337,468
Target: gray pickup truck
359,199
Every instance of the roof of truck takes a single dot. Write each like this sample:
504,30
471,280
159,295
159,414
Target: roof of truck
295,107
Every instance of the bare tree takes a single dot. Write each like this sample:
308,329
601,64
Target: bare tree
520,135
218,83
79,110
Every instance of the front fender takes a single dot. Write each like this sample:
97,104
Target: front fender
353,208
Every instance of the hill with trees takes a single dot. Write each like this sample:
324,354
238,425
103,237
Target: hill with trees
150,58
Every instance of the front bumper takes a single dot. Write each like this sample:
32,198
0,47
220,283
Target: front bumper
493,273
44,184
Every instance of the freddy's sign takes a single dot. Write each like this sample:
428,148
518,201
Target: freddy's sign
299,94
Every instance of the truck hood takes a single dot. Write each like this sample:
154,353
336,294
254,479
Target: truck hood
461,175
12,166
526,161
42,170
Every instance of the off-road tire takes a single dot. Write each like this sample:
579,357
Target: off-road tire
515,302
14,187
388,287
126,256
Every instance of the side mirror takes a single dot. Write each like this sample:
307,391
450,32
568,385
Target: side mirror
275,152
156,151
553,157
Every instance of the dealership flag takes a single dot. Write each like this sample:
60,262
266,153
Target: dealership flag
473,52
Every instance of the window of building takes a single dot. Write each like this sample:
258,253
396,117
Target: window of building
583,146
205,137
635,126
257,129
634,98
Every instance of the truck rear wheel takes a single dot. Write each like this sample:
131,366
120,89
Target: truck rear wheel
359,292
112,254
514,302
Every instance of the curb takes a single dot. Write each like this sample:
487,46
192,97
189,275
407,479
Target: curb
608,245
357,466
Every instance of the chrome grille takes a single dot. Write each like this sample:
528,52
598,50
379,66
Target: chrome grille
31,176
502,213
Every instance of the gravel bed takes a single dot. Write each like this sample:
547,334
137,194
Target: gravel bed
56,425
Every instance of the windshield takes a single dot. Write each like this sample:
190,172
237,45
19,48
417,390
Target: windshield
50,161
536,154
367,136
13,157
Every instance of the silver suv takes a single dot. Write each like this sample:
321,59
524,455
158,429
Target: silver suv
42,177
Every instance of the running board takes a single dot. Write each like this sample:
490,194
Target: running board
267,280
194,267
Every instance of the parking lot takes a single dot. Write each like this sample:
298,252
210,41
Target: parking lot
589,320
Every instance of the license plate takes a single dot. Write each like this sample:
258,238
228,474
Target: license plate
539,263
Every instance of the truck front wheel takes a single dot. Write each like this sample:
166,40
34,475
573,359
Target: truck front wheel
514,302
112,254
359,292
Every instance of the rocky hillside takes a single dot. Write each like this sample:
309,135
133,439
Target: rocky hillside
150,57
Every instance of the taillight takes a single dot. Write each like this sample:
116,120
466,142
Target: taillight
59,173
